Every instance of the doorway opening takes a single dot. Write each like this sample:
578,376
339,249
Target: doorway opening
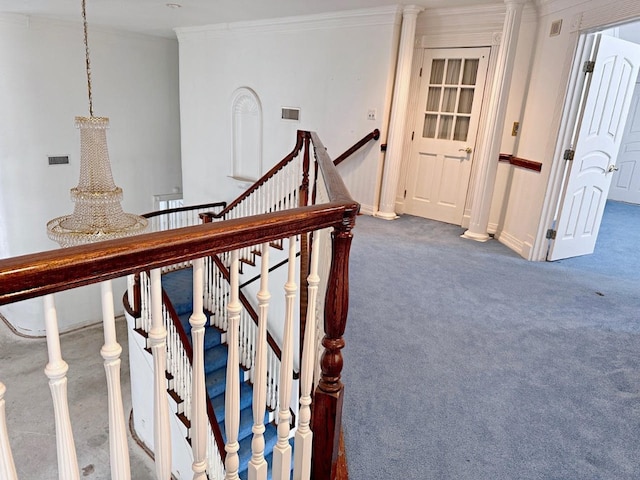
582,187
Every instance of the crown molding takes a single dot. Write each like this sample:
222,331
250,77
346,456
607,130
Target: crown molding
391,15
15,19
605,15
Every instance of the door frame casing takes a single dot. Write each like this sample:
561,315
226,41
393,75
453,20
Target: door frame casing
416,125
490,40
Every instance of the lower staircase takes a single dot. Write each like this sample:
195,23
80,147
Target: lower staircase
177,285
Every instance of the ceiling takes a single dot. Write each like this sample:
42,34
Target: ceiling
155,17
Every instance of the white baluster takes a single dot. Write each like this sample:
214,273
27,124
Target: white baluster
232,394
7,467
304,435
257,465
56,370
158,341
199,421
111,350
282,450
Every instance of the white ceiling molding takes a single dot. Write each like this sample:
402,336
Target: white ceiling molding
455,40
15,19
624,10
344,19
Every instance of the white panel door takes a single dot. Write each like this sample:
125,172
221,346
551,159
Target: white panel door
625,185
599,136
446,125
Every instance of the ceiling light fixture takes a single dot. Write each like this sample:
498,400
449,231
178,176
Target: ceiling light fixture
97,214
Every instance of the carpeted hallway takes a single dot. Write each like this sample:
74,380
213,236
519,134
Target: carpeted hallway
464,361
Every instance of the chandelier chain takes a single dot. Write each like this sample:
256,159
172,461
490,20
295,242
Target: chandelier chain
86,55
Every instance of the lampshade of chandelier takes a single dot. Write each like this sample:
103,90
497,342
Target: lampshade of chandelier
97,214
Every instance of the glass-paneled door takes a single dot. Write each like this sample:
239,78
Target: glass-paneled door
450,98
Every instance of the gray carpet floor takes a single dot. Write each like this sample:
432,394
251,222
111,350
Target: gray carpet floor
464,361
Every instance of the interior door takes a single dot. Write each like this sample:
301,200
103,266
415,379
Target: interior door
446,124
599,136
625,184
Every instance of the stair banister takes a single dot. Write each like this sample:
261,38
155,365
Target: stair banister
110,351
158,339
328,398
7,465
232,392
199,393
258,467
282,450
44,273
57,370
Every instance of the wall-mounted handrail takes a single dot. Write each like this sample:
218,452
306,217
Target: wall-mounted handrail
374,135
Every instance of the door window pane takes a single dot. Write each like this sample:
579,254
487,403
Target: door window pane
449,99
466,100
470,72
446,125
437,72
453,71
433,99
461,131
429,128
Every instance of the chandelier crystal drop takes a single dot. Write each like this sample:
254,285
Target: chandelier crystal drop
97,214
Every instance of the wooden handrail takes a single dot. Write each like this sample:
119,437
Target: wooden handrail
157,213
262,180
374,135
33,275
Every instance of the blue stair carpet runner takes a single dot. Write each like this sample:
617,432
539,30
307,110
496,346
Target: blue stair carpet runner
178,286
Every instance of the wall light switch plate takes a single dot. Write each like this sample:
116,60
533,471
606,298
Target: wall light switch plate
371,114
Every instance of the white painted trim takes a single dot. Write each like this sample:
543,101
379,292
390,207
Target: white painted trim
453,40
624,10
367,209
568,102
15,19
391,15
511,241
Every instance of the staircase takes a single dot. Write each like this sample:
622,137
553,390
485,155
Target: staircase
177,285
301,202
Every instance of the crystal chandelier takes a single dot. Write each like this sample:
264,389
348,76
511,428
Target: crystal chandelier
97,214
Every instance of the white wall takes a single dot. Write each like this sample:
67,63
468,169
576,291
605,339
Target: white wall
333,67
42,88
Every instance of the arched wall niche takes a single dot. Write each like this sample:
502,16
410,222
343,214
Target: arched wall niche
246,121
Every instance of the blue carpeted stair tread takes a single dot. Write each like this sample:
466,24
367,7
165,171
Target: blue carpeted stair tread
178,286
270,440
215,358
246,424
246,399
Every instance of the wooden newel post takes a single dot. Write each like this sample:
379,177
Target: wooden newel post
327,404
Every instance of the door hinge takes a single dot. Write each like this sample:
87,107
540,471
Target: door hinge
568,154
589,65
551,234
412,134
405,194
420,74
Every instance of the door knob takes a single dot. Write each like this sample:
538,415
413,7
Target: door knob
612,168
467,150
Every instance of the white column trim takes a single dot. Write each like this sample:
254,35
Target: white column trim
393,158
489,147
